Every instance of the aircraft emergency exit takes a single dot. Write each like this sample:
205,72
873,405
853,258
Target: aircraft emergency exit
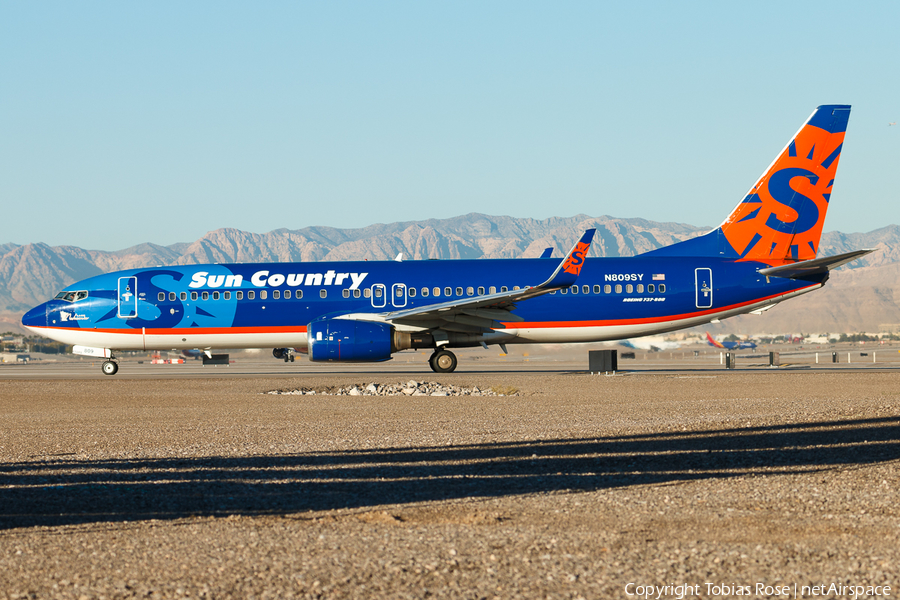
765,252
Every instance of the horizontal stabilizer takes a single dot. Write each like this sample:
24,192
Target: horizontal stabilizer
808,269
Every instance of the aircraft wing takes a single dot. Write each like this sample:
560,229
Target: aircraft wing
813,268
480,314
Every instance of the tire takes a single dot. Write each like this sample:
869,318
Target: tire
109,368
443,361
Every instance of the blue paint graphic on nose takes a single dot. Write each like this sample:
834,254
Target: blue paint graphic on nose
36,317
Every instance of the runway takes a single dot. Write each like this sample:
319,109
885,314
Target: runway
535,360
162,482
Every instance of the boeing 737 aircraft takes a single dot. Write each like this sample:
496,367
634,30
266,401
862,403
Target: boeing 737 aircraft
729,345
764,253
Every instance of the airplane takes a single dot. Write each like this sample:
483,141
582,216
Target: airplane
651,343
764,252
729,345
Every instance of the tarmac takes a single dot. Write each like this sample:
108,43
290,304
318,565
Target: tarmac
171,481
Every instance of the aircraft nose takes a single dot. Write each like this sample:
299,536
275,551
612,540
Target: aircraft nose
36,317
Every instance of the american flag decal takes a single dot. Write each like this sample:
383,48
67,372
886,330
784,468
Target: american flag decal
659,277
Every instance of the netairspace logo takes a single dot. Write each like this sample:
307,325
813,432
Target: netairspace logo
757,590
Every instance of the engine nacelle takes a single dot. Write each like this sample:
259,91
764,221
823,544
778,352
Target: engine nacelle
347,340
278,352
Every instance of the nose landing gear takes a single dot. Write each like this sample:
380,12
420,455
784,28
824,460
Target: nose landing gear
442,361
109,367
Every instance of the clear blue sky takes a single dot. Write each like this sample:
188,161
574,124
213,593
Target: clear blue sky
125,122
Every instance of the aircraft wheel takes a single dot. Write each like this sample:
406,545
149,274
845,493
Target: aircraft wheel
443,361
109,368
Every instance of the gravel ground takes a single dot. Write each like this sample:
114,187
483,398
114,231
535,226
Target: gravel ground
572,487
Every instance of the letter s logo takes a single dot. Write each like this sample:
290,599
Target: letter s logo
576,259
781,191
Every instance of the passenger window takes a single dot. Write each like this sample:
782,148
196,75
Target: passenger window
629,288
504,289
459,291
226,295
287,294
470,291
184,295
651,288
215,295
586,289
276,294
323,293
515,287
367,293
596,289
251,295
172,296
574,289
162,296
564,291
398,292
299,294
640,288
492,290
378,292
239,295
263,294
205,295
193,295
346,293
607,288
356,293
480,290
425,292
618,288
662,288
448,292
436,292
412,292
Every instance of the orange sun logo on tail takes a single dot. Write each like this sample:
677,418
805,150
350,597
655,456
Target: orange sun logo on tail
575,261
781,218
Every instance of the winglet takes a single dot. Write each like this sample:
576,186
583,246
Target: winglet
547,252
568,270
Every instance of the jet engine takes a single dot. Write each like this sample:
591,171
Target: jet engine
347,340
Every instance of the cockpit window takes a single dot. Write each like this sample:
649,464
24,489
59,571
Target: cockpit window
72,296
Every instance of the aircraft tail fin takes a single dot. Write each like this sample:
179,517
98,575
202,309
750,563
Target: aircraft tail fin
712,341
780,219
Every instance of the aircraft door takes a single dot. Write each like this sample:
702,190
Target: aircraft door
127,297
378,295
704,289
398,295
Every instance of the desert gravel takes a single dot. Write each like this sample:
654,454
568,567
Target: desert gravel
567,486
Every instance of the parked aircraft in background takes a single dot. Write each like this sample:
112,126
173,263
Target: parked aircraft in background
762,254
730,345
652,343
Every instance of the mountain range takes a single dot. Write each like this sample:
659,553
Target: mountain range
862,296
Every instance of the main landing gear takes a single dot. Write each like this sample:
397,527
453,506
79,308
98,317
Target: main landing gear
110,367
284,353
442,361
